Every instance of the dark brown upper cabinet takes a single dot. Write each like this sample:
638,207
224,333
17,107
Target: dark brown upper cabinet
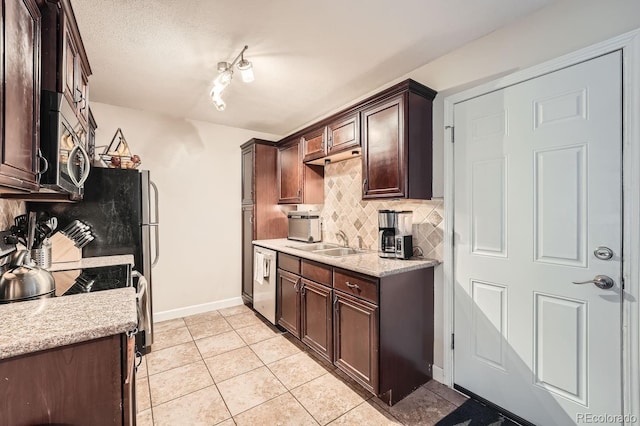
298,183
343,134
338,139
393,132
65,64
247,175
397,141
314,144
20,94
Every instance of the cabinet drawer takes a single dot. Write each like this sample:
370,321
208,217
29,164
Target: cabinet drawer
358,285
289,263
317,272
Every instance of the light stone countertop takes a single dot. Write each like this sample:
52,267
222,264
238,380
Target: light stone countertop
368,262
93,262
42,324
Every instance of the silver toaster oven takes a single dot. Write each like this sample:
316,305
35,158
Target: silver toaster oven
304,226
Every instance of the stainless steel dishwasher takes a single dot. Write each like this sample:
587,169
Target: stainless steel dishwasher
264,282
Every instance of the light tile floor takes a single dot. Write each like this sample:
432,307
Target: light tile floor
228,367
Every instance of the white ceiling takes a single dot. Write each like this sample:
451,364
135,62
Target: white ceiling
310,56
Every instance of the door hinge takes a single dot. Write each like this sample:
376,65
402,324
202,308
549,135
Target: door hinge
453,339
453,133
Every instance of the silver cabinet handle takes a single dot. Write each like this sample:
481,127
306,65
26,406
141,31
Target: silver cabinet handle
364,185
355,286
601,281
44,165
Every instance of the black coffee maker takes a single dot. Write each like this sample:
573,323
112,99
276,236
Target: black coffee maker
387,222
394,234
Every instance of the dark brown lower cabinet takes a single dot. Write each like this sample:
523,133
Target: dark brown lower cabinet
88,383
355,334
377,330
316,318
288,302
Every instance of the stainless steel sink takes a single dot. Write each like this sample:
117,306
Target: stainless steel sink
337,252
315,247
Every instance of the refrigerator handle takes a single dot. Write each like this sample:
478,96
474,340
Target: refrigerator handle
157,223
157,256
157,205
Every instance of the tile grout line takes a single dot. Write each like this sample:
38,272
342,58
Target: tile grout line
209,371
192,392
283,385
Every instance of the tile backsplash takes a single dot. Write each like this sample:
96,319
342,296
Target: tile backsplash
344,210
8,210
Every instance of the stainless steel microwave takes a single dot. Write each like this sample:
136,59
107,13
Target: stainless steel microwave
65,163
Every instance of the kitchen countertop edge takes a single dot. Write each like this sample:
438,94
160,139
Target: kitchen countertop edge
368,263
93,262
49,323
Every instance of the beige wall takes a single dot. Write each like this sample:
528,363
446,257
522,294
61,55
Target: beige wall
196,166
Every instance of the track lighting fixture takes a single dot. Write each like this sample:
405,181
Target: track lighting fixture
225,74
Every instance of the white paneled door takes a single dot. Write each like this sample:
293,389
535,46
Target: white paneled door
538,184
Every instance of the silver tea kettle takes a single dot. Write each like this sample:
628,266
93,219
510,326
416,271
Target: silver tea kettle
22,281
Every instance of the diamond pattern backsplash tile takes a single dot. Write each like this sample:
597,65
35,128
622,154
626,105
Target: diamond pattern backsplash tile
344,210
8,210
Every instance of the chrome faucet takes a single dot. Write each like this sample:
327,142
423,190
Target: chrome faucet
340,235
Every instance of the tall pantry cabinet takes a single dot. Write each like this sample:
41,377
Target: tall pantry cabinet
262,218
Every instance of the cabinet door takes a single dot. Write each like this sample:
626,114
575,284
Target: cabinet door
316,318
247,175
314,144
20,102
290,174
355,333
383,150
82,92
247,254
344,134
70,68
288,311
79,384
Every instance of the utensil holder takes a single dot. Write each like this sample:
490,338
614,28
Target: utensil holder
42,256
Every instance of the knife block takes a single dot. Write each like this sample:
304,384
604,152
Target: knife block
63,249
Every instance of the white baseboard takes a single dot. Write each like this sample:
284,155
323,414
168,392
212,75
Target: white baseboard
196,309
438,374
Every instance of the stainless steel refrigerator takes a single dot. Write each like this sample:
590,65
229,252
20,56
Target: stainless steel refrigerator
121,206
